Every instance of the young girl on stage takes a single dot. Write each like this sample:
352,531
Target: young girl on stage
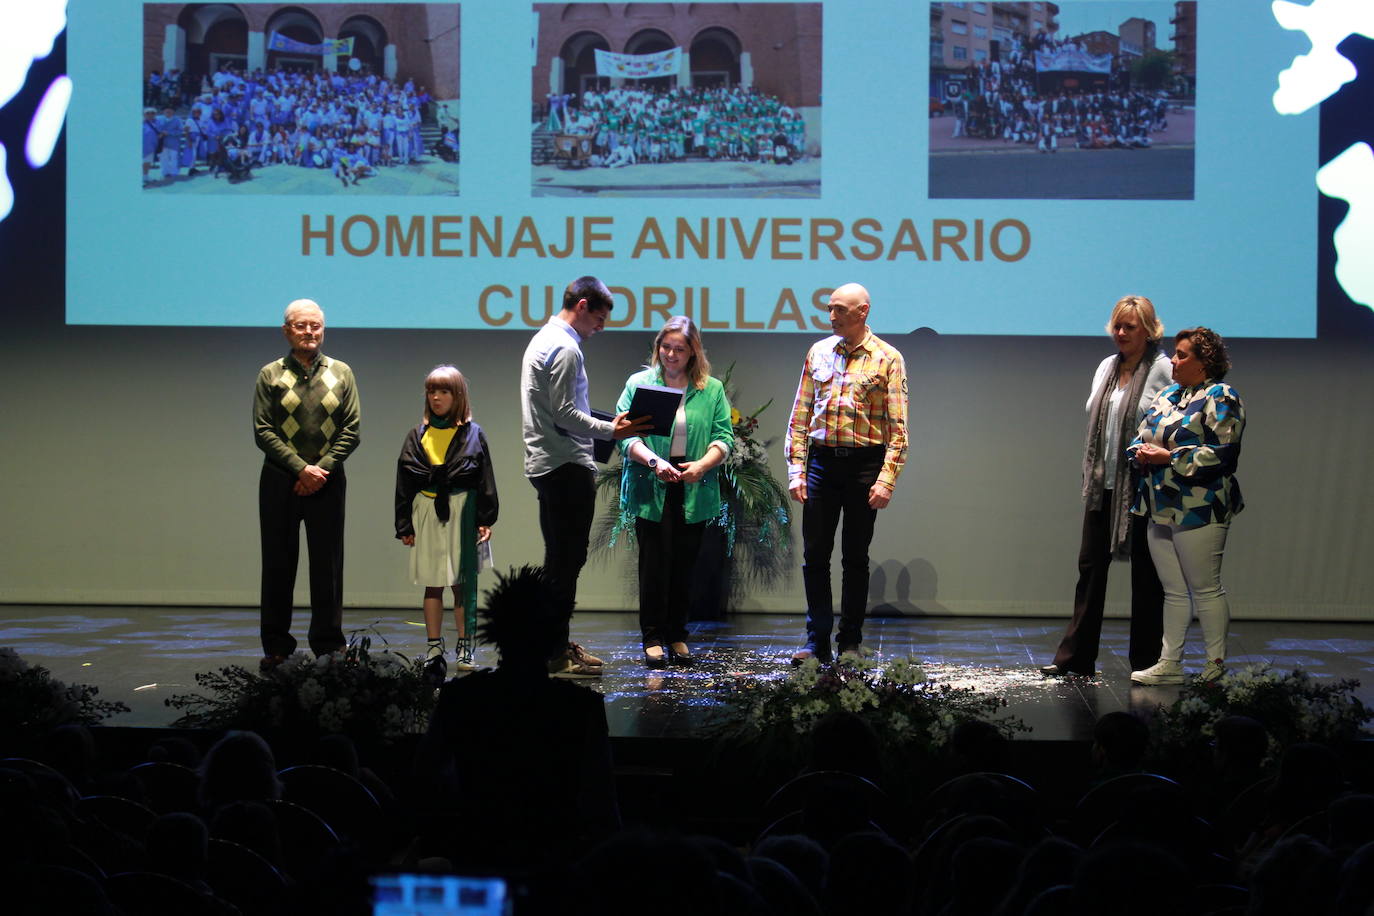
445,507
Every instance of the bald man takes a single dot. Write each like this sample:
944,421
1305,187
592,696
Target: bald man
305,420
846,445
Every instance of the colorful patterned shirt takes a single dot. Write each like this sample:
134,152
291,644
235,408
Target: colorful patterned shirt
849,399
1201,427
306,416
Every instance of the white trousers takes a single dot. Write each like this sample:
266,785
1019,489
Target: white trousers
1189,565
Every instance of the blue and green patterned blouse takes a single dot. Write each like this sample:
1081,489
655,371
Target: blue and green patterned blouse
1201,426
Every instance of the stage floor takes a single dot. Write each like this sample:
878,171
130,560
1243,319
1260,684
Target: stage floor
141,656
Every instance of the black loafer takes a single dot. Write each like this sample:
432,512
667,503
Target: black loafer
683,657
655,661
1061,671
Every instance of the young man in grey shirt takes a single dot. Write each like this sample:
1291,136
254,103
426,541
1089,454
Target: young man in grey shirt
558,430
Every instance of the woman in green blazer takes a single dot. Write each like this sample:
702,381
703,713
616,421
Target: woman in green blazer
669,486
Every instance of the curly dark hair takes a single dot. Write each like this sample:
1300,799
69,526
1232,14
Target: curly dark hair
1210,349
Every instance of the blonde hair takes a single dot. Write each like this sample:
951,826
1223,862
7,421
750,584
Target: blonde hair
448,378
698,367
1144,310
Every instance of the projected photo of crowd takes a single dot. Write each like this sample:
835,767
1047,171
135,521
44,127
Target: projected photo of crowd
324,98
1080,100
676,100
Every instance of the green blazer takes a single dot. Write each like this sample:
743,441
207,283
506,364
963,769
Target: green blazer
708,420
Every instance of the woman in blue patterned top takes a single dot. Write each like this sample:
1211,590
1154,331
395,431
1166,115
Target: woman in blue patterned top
1187,449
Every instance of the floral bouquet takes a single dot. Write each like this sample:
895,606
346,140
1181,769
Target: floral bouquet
913,713
1294,707
373,697
753,506
30,697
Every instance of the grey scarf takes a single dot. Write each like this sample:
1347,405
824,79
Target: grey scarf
1094,468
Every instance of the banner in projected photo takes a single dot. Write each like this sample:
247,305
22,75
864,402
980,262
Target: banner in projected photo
639,66
280,42
1072,60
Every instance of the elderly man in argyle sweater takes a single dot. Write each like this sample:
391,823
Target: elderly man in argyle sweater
305,420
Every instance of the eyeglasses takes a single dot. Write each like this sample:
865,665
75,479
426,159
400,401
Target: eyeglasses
305,326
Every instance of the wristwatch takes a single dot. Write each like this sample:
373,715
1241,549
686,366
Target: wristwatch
653,462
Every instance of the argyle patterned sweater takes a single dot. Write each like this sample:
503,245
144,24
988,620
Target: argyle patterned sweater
303,417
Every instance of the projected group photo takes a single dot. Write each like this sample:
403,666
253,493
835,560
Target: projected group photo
257,99
680,100
1107,79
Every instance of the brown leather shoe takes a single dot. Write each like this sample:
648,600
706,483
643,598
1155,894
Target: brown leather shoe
582,657
816,652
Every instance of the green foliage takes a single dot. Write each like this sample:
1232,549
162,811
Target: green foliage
1293,707
912,713
1153,71
31,698
373,697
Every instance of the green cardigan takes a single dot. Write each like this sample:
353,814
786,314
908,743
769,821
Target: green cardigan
708,420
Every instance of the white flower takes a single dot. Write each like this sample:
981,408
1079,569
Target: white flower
309,694
806,676
333,714
1192,706
906,671
851,701
294,663
388,665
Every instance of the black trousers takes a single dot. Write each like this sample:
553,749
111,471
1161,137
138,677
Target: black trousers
280,513
1078,649
567,502
837,484
668,551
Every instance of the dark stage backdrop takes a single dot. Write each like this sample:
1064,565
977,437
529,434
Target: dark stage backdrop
128,469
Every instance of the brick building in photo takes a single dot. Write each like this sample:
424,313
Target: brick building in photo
400,41
774,47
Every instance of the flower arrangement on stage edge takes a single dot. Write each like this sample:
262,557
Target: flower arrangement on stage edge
30,697
913,714
754,513
1293,707
373,697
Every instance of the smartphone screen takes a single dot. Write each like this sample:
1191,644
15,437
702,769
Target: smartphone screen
438,895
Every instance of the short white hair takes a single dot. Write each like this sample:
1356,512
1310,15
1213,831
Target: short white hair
301,305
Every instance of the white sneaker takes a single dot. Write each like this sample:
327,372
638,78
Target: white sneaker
1163,671
1212,671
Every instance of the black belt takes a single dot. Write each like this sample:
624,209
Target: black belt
853,451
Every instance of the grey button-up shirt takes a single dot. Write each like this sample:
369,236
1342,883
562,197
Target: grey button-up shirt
554,409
